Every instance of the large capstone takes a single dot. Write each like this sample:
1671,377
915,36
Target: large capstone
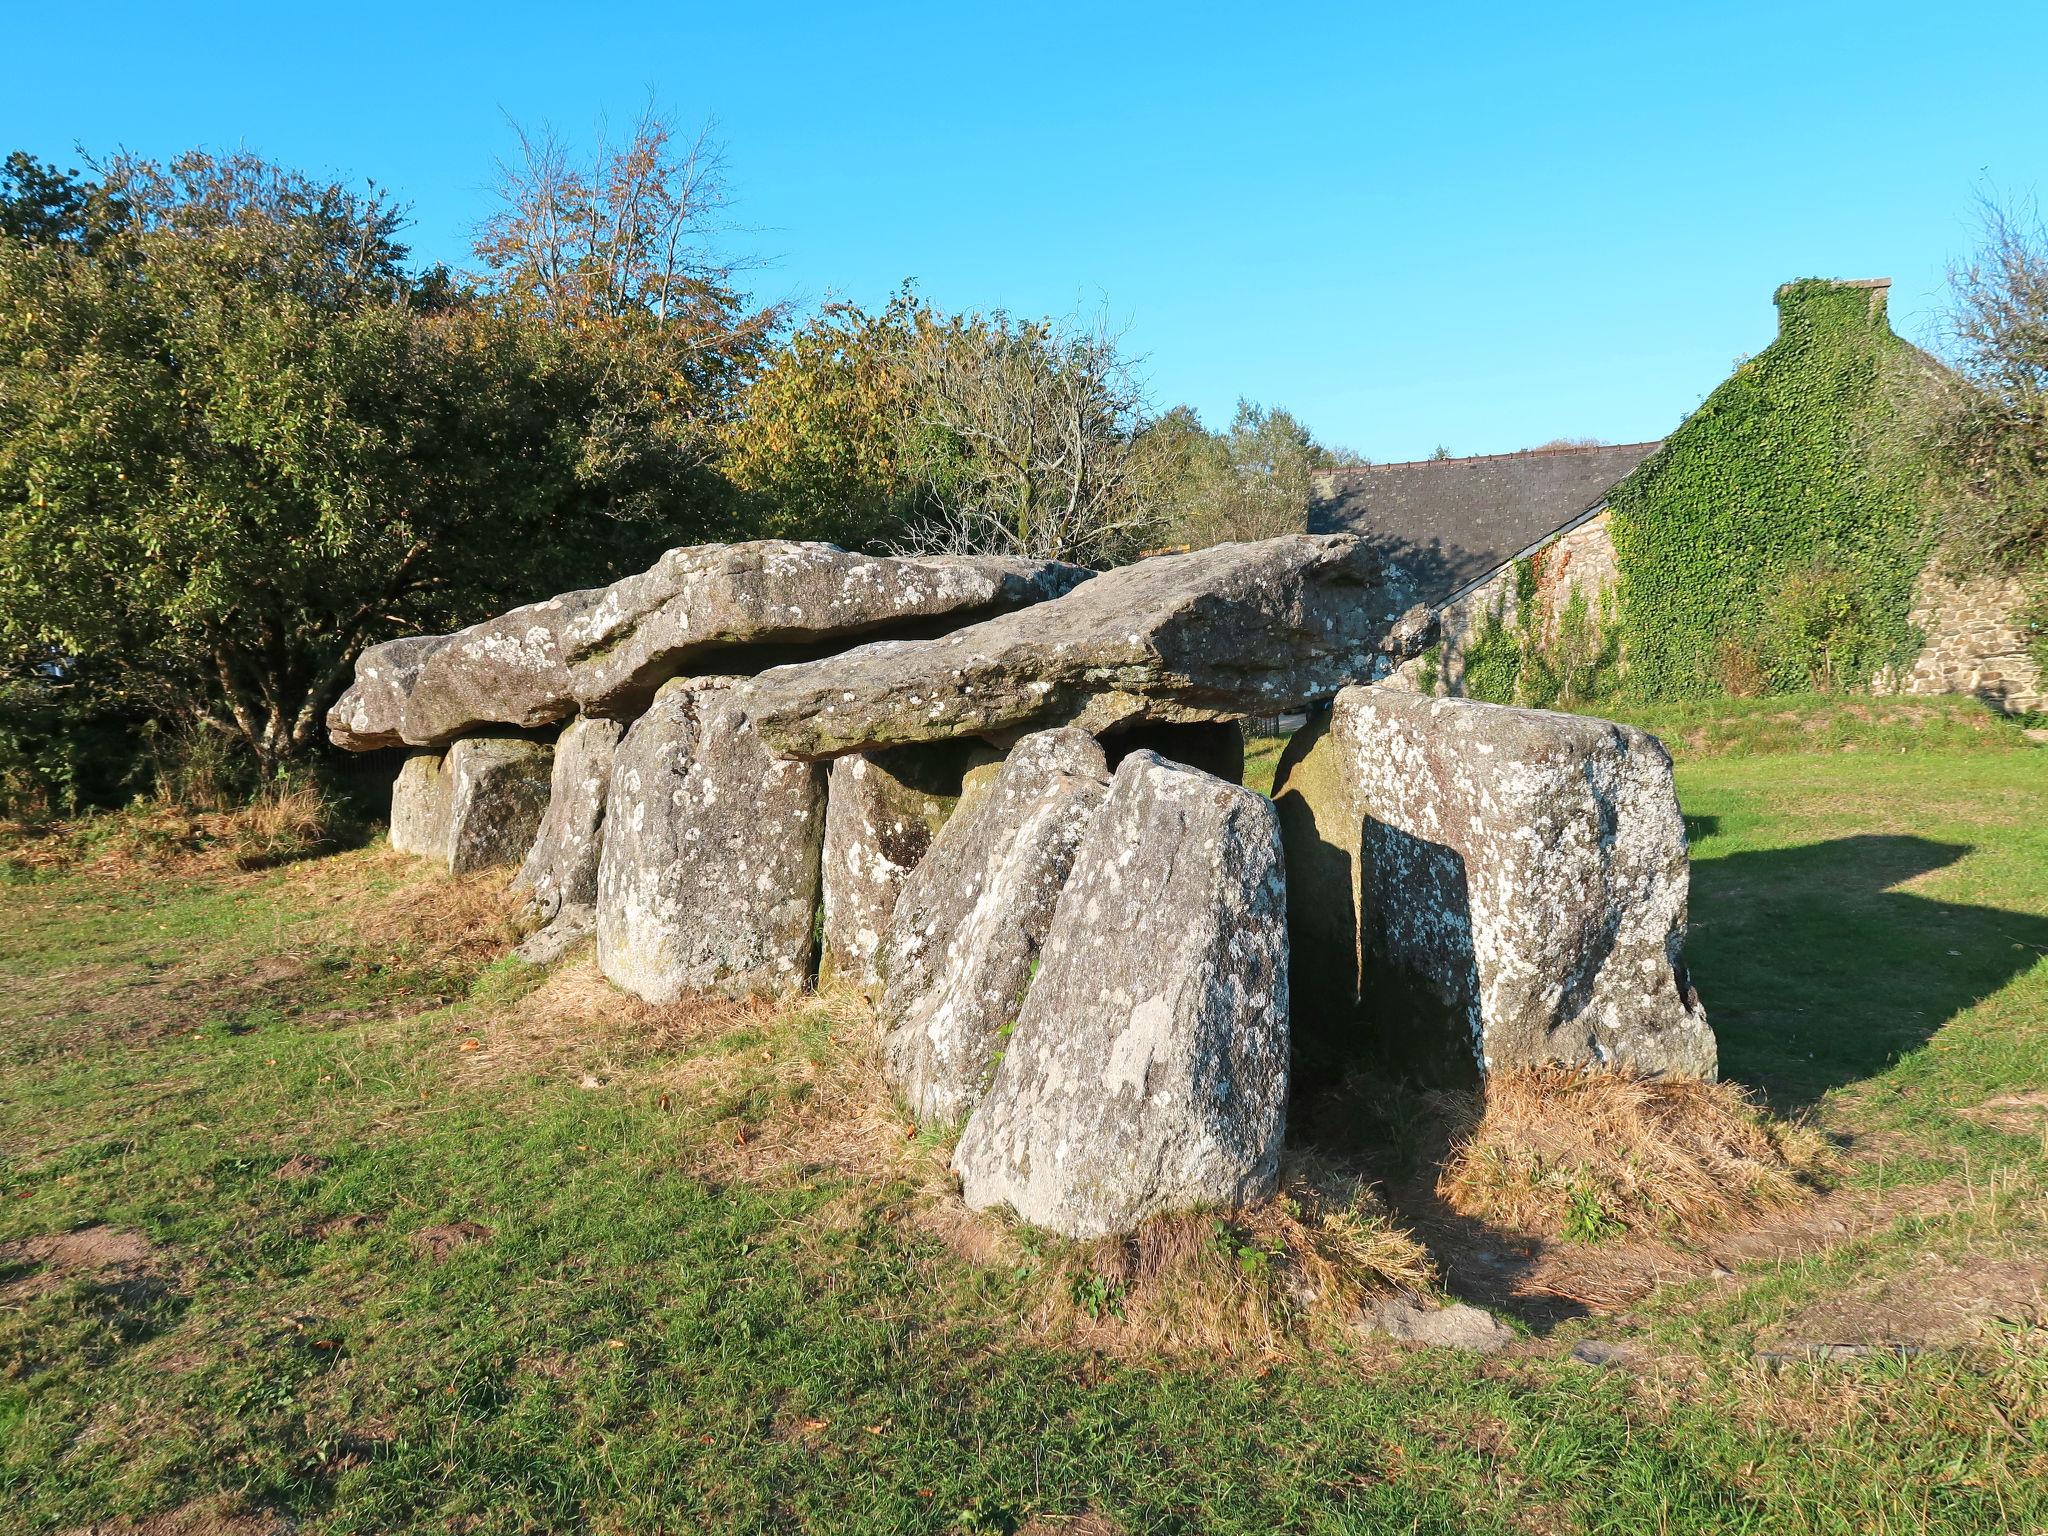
372,713
708,880
774,596
1238,629
969,921
1148,1069
559,875
1478,887
510,670
725,608
882,811
497,793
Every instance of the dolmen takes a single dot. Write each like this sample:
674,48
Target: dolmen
1002,800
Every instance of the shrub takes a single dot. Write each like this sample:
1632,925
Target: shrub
1493,661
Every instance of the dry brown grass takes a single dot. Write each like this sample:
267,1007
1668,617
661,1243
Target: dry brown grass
1555,1151
1272,1279
388,906
283,822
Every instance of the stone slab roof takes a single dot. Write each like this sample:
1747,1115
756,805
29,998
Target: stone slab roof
1451,521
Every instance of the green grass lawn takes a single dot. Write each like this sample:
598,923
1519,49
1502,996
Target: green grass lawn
657,1321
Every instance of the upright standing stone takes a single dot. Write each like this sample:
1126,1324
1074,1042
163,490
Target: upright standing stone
497,792
882,811
708,880
1507,886
559,876
969,920
421,798
1148,1070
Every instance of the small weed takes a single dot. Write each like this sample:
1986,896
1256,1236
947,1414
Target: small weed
1586,1220
1096,1296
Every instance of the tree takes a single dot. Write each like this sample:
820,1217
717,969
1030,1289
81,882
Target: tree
822,440
238,441
1024,432
41,205
1984,427
1250,481
1989,424
618,249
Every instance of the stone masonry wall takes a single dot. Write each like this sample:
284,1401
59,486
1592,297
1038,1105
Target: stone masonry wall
1580,559
1974,644
1973,640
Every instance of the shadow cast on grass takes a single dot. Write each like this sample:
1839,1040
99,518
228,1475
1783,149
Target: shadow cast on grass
1818,971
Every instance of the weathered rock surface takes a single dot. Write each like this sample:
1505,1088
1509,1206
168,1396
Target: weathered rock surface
497,793
708,877
421,798
775,593
605,650
559,875
970,918
1148,1070
882,811
1489,887
568,928
1237,629
510,670
372,713
1458,1325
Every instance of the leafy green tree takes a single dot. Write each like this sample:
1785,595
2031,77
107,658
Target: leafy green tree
41,205
1250,481
238,442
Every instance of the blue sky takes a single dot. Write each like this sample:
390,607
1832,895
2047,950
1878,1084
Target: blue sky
1477,225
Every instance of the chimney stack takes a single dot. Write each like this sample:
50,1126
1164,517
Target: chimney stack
1874,290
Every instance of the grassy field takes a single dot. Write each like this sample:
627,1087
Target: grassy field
316,1210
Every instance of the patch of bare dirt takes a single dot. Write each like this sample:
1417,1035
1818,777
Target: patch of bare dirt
1070,1525
207,1517
299,1167
127,1001
2023,1114
1935,1302
437,1242
346,1225
99,1252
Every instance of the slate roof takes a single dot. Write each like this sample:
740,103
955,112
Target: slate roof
1452,521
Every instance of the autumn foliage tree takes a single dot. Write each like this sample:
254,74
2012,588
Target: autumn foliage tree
1985,426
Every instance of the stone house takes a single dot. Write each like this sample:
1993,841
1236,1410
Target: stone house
1465,524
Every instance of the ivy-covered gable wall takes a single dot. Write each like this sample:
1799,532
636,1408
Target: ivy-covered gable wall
1769,546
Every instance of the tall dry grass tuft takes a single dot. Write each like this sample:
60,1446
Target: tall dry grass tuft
281,822
1273,1277
1589,1155
461,922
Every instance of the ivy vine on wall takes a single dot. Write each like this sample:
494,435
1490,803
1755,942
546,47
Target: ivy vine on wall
1767,547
